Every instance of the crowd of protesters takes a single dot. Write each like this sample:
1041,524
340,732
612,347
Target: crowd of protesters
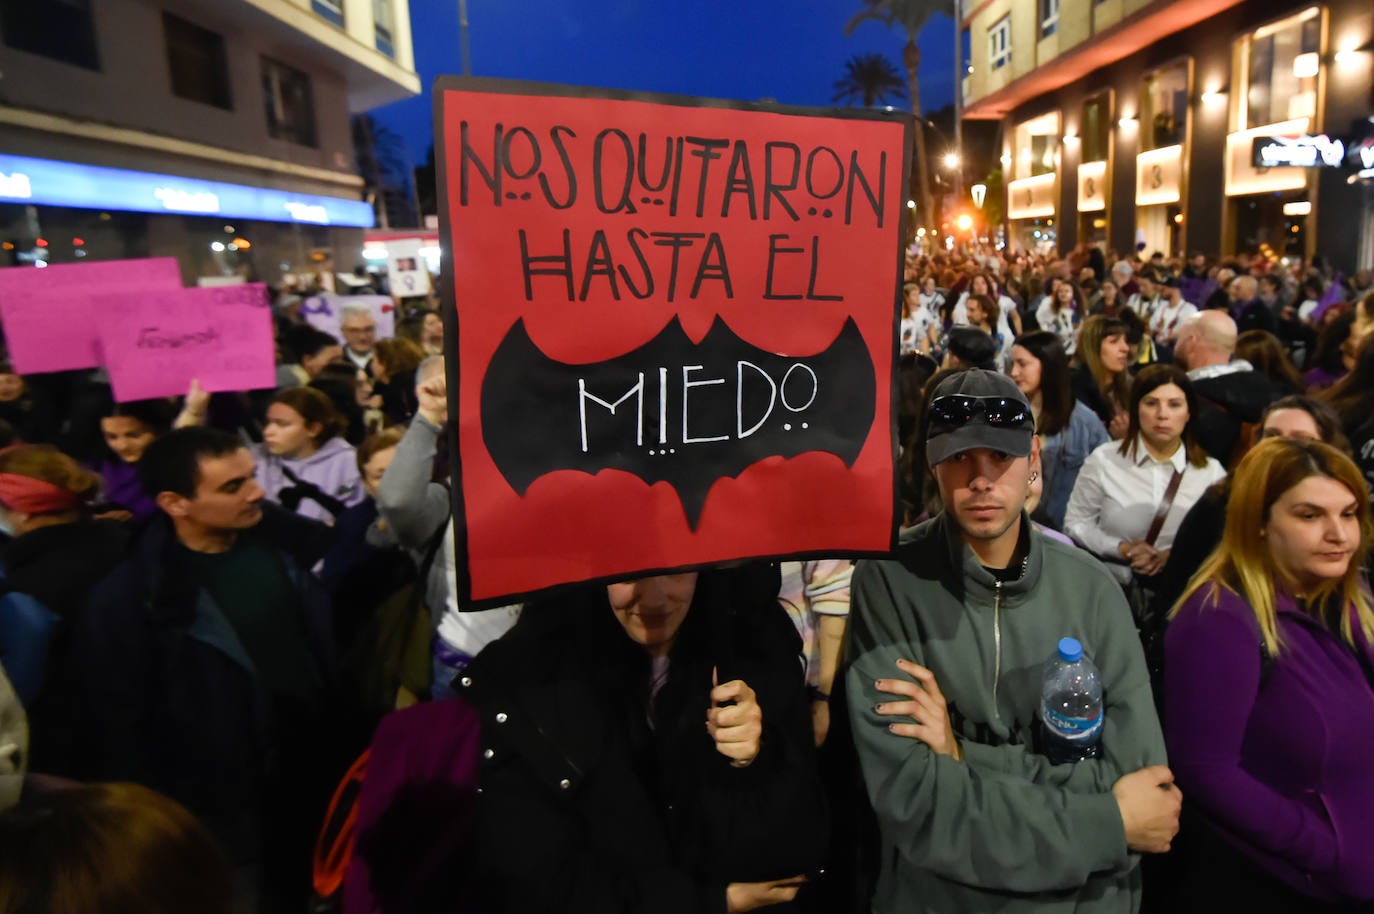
216,609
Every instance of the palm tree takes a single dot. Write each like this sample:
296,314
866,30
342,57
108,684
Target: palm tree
384,165
869,78
910,16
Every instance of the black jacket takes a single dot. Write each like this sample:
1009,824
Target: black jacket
1086,390
1254,315
1227,402
169,697
587,808
58,566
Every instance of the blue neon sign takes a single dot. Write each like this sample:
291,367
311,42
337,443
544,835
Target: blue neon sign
26,180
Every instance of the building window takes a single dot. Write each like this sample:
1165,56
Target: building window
197,62
59,29
1096,130
1281,80
289,102
331,10
1164,107
1037,146
999,43
1049,17
383,20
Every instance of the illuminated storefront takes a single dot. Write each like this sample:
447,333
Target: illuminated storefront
1033,193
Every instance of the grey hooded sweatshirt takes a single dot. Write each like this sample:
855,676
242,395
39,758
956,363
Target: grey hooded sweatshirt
1003,830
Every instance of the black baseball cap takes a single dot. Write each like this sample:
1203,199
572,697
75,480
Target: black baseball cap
977,409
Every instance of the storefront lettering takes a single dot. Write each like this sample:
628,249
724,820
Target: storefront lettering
16,184
186,201
308,212
1298,151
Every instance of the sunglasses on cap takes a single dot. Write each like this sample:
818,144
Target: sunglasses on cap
955,410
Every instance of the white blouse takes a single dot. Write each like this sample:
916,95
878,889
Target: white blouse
1116,497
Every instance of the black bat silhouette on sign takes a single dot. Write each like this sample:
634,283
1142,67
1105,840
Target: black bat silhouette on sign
674,411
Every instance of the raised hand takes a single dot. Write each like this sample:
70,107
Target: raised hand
433,399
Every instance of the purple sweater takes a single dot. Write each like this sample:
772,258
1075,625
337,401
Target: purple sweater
421,759
123,488
1282,761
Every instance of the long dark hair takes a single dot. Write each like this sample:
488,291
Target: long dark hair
1264,351
1095,330
1151,378
1056,393
919,493
1079,300
1332,337
1352,397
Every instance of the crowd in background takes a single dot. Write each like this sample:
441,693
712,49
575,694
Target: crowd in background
212,605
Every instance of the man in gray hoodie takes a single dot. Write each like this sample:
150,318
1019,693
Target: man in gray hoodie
947,646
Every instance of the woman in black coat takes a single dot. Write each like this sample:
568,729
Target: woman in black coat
646,748
47,571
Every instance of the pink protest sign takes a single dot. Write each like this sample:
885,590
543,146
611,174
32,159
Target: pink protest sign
154,343
325,312
49,314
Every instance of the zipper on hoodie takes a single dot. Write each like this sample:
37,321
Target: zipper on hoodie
997,643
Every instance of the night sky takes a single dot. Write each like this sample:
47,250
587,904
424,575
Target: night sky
791,51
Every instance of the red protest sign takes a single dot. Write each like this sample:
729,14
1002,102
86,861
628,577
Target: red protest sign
675,331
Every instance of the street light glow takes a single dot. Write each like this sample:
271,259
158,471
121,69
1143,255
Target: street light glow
965,222
951,160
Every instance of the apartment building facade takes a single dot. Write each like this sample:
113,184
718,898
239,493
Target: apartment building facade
216,132
1224,126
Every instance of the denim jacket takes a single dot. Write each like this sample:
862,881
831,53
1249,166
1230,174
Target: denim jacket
1061,456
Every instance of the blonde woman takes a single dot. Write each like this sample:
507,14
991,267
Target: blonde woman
1269,691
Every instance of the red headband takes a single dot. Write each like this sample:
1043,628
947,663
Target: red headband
34,496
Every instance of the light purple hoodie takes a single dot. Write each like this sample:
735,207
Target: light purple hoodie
333,469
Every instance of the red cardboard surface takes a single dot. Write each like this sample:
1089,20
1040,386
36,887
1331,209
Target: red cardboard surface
725,277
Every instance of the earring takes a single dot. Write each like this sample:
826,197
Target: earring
1033,476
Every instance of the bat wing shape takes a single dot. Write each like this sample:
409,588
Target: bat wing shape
675,411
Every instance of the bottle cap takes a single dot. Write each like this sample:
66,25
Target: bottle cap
1070,651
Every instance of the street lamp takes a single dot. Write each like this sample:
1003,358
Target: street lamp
951,160
940,133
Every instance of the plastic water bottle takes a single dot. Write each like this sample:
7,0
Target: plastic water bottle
1071,705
